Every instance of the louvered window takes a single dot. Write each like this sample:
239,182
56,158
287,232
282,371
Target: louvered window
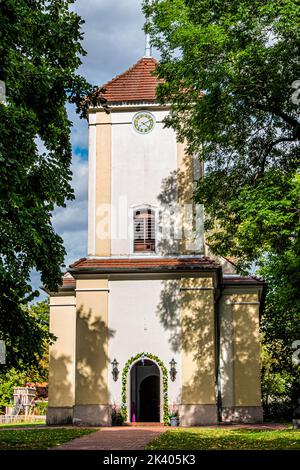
144,230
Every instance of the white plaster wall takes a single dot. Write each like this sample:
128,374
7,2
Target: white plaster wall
135,327
139,164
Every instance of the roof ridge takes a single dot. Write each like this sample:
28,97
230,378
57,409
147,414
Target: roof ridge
137,83
80,260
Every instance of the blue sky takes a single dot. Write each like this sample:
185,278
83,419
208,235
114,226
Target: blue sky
114,40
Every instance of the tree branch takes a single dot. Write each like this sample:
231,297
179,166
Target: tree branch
270,147
288,119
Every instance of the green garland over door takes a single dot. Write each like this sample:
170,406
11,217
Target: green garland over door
124,407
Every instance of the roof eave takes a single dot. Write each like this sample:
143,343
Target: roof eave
142,270
124,105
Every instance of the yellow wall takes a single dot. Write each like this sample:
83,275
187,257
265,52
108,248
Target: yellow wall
246,352
62,361
185,181
91,342
198,343
103,184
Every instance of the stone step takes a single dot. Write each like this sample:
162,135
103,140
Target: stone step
142,424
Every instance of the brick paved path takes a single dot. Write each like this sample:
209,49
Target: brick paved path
137,437
115,438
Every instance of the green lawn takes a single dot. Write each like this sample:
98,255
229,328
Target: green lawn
37,439
226,439
16,425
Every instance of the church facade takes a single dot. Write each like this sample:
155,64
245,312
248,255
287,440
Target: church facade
150,322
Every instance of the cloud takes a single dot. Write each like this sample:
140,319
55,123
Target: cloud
36,285
79,132
71,221
114,41
113,37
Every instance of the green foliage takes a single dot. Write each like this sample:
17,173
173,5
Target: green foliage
165,384
117,417
21,374
23,424
40,49
226,439
40,407
8,381
18,378
276,385
38,439
253,220
229,69
173,414
281,319
280,326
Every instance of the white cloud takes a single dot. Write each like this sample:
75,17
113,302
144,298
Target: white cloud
71,221
79,131
113,37
114,41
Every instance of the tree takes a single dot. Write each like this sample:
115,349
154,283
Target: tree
231,73
278,383
229,68
280,327
259,219
21,374
40,49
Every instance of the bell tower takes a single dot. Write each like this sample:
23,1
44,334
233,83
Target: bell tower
140,179
147,296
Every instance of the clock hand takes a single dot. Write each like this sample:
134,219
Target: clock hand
146,122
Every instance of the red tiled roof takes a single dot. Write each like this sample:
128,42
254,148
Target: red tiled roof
107,264
68,281
36,384
136,84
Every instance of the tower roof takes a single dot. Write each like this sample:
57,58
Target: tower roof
136,84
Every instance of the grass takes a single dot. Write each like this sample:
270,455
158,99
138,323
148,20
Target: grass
38,439
226,439
16,425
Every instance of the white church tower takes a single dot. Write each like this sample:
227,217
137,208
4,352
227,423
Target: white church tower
148,322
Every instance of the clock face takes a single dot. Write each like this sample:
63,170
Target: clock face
143,122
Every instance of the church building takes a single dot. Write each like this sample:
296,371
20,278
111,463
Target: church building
150,322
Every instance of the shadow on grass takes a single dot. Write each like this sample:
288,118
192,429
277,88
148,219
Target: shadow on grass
217,439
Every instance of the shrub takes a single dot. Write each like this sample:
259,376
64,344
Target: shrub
40,407
117,418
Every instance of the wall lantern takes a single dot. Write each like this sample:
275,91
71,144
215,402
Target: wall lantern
115,370
173,370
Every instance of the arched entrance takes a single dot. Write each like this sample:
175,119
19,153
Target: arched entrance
145,392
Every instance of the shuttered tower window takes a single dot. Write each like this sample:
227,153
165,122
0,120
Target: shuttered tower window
144,230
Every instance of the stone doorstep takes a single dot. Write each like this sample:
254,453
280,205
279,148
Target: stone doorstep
143,424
